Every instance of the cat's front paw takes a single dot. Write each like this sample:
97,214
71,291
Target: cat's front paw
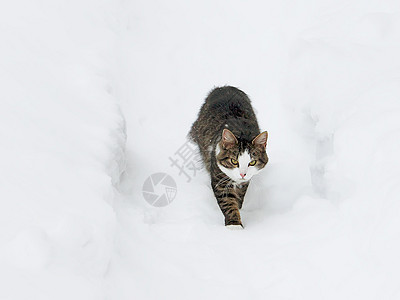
233,222
234,227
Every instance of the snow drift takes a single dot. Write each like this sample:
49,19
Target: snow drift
321,221
62,138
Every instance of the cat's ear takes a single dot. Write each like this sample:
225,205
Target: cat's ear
261,140
228,139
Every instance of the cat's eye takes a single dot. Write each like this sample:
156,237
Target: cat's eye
234,161
252,163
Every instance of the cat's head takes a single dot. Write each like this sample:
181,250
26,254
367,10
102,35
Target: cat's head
241,160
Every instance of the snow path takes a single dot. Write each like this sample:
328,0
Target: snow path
322,221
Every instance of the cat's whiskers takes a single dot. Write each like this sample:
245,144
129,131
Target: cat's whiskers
223,180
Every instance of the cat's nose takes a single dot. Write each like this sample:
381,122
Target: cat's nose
242,174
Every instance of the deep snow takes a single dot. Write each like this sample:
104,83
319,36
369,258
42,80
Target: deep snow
321,221
62,146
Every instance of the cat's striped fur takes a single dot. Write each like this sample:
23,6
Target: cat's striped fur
227,134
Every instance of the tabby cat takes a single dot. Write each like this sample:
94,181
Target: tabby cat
231,147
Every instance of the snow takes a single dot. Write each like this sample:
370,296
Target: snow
62,142
321,221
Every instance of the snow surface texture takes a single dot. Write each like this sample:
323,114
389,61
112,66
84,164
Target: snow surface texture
62,142
321,221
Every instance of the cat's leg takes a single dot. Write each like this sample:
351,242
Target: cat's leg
228,201
230,208
241,191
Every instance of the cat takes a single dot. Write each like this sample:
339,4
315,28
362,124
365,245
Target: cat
231,147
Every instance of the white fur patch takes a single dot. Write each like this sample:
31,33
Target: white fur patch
234,227
217,150
244,160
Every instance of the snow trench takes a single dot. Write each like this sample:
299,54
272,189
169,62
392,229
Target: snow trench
62,148
321,221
